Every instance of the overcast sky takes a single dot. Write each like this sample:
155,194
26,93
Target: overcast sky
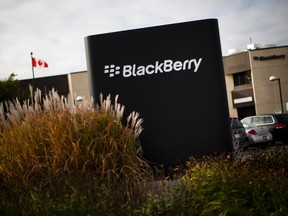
55,30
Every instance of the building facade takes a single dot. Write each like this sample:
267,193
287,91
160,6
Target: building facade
74,86
78,87
247,73
249,89
46,84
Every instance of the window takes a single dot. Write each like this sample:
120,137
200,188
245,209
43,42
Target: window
262,120
246,120
258,120
283,118
242,78
235,123
268,120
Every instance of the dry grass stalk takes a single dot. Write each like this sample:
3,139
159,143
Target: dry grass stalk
46,138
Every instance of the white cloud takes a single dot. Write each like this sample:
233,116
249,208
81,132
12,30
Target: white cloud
55,30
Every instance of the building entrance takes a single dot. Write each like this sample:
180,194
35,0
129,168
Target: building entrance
246,111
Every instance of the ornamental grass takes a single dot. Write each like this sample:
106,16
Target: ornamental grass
54,154
84,159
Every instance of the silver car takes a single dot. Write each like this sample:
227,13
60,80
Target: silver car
277,124
258,136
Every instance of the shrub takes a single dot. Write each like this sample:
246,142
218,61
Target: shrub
52,153
254,184
82,160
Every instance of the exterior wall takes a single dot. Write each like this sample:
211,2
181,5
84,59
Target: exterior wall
229,88
233,64
274,62
45,84
68,85
78,86
236,63
263,63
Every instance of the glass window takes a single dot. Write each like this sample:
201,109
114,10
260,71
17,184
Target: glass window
242,78
268,119
235,123
258,120
282,118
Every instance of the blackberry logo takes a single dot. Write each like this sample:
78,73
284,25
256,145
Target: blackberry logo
112,70
158,67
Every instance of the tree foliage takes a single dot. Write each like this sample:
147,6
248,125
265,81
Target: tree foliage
10,89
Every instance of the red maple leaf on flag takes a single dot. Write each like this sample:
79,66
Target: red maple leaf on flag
39,63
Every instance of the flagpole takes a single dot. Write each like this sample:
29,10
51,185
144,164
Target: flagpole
33,81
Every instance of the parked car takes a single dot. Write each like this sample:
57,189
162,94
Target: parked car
277,124
258,136
239,136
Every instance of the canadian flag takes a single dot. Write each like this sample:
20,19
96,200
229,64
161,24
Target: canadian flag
39,63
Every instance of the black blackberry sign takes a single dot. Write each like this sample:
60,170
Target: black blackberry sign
173,76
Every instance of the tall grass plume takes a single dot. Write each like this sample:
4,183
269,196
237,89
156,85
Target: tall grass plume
85,148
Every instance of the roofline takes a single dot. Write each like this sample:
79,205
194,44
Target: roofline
257,49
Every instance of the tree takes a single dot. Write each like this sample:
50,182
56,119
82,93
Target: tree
10,90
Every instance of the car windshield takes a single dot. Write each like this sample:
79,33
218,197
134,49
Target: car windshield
283,118
235,123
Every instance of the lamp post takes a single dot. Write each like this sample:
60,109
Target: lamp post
78,99
273,78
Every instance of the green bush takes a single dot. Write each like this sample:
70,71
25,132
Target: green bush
250,185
